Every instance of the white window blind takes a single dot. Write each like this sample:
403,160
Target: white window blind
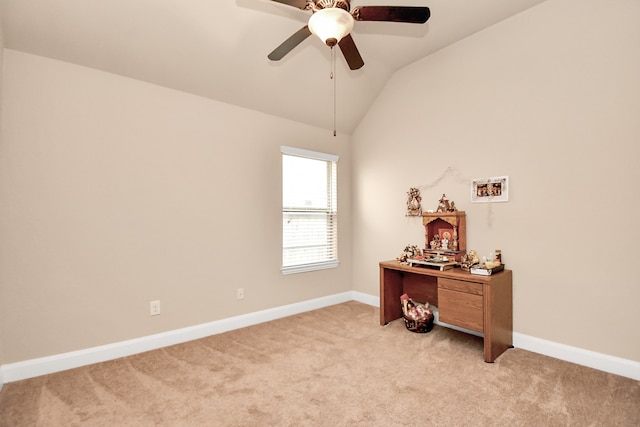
309,210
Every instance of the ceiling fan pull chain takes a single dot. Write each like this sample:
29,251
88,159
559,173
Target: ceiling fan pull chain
333,75
333,62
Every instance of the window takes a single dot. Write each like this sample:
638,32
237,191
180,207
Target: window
309,210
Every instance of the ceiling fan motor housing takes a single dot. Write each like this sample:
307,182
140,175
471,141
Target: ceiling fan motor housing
324,4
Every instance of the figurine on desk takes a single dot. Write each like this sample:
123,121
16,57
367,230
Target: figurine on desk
438,243
469,260
444,243
435,242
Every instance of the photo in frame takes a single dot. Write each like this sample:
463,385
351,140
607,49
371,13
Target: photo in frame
494,189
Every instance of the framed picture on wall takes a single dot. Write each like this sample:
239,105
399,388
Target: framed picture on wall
494,189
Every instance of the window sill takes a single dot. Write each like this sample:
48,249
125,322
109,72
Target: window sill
303,268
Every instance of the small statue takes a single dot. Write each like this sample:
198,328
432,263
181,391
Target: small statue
468,260
435,242
409,251
455,239
413,202
444,243
443,205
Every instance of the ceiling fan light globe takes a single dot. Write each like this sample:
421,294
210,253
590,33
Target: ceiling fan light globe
331,25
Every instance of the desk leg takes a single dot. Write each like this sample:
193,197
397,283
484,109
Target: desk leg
498,317
390,292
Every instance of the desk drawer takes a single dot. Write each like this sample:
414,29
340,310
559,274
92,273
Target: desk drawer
460,286
460,309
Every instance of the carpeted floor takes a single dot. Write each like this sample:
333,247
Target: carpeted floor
331,367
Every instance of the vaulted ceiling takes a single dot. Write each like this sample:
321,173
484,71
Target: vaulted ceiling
218,48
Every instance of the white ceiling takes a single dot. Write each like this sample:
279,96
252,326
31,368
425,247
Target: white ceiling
218,48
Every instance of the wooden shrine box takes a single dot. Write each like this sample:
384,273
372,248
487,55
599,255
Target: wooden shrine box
451,226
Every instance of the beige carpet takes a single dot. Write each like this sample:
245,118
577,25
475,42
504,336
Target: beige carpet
331,367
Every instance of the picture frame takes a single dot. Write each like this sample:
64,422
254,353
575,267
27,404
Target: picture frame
488,190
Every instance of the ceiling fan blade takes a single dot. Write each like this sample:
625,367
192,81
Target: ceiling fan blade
350,52
300,4
288,45
409,14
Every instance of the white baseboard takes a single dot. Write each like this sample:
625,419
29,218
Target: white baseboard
60,362
602,362
579,356
47,365
365,298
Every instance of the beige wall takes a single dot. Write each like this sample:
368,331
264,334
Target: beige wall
551,99
117,192
2,297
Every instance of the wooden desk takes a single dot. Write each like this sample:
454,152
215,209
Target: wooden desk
479,303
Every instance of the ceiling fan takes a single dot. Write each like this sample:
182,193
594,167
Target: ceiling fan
333,20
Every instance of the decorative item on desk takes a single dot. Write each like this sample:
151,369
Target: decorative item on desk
469,260
445,233
486,269
409,251
444,243
413,202
417,317
437,262
435,242
488,266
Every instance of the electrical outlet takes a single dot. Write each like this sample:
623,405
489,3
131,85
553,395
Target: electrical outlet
240,293
154,308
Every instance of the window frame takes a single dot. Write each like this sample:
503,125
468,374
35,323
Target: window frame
330,211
